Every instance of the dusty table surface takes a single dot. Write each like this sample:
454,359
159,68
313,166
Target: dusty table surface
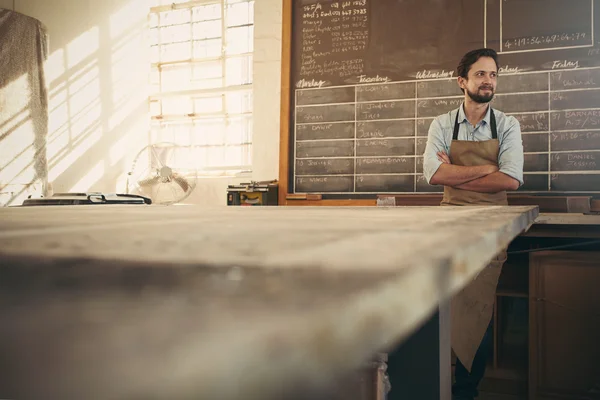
185,302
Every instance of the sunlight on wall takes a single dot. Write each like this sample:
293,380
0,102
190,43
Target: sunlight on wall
82,47
130,86
74,104
128,89
94,175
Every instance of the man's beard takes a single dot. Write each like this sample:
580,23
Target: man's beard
481,98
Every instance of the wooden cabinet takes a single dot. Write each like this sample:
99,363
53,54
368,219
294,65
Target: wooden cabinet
564,325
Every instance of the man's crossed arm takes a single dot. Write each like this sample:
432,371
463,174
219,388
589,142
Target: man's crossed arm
480,178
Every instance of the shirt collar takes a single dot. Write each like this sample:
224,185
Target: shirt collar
462,117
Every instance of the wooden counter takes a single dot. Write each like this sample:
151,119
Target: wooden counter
248,303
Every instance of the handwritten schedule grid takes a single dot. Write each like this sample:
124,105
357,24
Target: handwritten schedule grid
370,138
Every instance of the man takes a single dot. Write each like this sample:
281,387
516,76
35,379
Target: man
476,153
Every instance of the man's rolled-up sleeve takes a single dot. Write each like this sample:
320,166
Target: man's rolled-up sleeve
510,157
435,143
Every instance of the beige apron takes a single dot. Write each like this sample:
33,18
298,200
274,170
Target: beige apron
472,308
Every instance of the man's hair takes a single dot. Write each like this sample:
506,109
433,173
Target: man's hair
471,58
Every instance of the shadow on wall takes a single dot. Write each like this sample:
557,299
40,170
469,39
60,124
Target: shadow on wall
97,97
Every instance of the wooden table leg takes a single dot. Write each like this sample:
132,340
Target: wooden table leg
420,367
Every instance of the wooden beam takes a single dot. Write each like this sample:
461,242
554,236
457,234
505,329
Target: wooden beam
286,91
560,204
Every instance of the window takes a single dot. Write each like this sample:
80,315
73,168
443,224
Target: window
201,81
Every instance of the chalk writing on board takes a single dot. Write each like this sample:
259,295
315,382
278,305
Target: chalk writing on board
385,161
575,136
582,161
311,83
562,64
510,70
567,120
313,180
426,74
565,64
569,83
537,41
334,36
374,79
575,162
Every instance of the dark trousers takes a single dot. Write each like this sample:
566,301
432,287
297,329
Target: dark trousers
466,383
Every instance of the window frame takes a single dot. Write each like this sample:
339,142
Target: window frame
193,117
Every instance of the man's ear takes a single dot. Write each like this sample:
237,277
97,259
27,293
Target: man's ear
461,82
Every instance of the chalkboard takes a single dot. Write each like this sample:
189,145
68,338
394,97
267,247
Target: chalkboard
369,76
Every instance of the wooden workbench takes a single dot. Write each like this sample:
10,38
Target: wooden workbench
248,303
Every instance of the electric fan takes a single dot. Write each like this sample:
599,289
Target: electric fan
159,172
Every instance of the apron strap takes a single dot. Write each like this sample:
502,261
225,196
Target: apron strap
492,125
456,127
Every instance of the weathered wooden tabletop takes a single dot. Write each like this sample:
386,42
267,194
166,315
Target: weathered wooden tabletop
183,302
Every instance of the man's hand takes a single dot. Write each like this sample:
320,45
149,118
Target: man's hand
443,157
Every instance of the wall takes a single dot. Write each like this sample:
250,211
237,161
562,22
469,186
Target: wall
97,77
267,88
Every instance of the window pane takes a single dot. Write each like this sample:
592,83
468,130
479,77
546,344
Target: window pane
160,133
181,133
207,105
154,80
154,108
207,48
206,13
208,70
174,17
208,75
239,14
207,29
154,54
238,155
240,40
239,102
239,130
176,106
175,52
190,76
153,36
209,131
153,20
175,33
174,78
172,132
238,70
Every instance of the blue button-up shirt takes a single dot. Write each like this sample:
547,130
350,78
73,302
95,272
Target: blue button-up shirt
510,157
